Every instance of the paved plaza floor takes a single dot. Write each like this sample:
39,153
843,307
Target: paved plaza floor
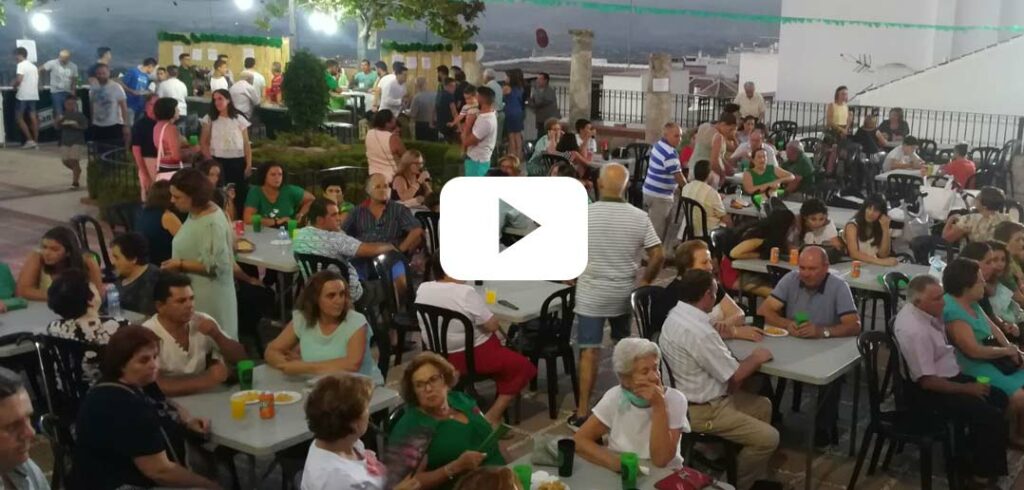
35,195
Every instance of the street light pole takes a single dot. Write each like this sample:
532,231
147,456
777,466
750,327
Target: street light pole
291,25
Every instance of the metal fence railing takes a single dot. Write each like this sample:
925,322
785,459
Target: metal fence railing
943,127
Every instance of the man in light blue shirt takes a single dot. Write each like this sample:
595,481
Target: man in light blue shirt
365,78
664,174
17,470
63,79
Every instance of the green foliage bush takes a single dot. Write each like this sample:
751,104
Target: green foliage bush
305,91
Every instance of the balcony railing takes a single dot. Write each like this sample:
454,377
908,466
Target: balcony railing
943,127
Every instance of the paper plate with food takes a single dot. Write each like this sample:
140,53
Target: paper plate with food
543,480
244,246
775,331
286,397
251,397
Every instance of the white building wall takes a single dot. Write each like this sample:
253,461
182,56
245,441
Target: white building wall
1012,14
814,59
760,68
975,13
983,82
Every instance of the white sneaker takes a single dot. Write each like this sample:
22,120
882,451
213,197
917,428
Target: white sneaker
30,144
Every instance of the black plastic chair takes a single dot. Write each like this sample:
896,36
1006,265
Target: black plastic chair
431,223
984,156
928,150
550,338
898,426
1015,209
900,187
689,439
80,224
396,307
550,161
65,386
1005,160
692,212
810,144
437,322
776,273
644,301
791,126
638,151
636,185
310,264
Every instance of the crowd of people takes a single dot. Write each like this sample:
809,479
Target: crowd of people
179,270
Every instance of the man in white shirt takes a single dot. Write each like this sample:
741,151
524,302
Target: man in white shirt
744,150
175,89
708,197
706,371
193,347
392,89
903,157
510,370
258,80
751,103
219,77
482,139
63,80
26,97
244,95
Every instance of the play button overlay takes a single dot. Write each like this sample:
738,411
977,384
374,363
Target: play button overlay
476,210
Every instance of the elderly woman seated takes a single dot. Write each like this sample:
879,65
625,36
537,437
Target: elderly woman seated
458,426
338,414
640,415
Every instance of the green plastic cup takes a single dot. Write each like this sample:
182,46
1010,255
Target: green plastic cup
630,470
292,226
525,474
193,140
983,380
245,374
257,223
801,317
758,199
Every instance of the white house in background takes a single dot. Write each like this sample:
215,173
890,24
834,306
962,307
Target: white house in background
760,66
814,59
983,82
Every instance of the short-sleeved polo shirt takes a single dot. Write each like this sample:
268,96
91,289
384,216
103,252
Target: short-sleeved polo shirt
824,305
394,224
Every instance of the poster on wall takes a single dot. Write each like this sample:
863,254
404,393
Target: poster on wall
29,46
397,58
211,54
425,62
248,53
176,51
457,60
410,62
197,55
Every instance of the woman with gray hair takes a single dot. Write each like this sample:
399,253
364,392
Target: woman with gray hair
640,415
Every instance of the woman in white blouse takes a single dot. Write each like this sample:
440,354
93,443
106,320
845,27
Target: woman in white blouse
225,138
639,415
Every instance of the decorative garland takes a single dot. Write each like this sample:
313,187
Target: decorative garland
616,8
199,37
422,47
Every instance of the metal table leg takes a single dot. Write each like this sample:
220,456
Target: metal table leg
810,441
282,284
253,482
856,399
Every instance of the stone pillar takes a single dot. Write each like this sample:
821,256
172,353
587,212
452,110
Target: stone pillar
580,74
658,109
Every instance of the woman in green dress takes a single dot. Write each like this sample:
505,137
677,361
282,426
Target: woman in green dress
202,248
968,328
457,424
274,200
763,176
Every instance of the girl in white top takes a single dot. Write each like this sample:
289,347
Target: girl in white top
225,138
338,414
639,415
384,147
815,226
868,237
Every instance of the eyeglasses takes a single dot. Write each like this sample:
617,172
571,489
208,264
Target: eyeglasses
432,382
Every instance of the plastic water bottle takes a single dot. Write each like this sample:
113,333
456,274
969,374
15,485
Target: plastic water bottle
113,302
282,236
937,266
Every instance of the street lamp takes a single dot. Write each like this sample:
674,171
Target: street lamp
321,22
40,22
243,5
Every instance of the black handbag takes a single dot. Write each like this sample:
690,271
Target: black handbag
1004,364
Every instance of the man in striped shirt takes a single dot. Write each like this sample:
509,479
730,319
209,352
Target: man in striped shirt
618,233
663,175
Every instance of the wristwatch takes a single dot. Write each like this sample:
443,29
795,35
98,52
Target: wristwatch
827,332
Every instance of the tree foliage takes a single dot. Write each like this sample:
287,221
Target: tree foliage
25,4
305,91
449,19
